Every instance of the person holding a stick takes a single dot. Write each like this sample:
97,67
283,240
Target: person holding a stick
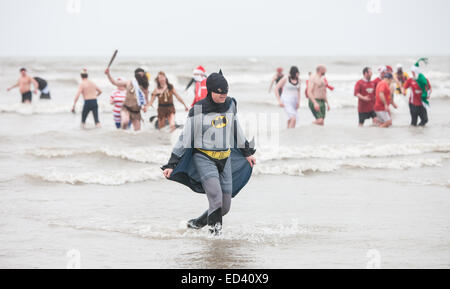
136,98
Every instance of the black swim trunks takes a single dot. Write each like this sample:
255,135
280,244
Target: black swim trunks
26,96
363,116
45,95
90,105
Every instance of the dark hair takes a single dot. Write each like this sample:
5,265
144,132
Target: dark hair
23,69
293,72
142,80
388,75
84,75
138,70
366,70
169,85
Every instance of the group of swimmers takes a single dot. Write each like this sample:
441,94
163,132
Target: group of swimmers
212,155
288,92
130,98
374,96
24,84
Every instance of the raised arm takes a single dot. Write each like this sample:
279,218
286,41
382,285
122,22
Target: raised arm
108,74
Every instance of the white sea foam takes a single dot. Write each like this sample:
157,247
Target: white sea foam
47,107
100,177
305,167
160,154
154,155
339,152
153,173
254,233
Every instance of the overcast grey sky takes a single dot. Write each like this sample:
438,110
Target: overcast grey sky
227,27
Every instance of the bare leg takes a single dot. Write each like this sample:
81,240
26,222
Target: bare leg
293,122
137,125
172,122
386,124
319,121
125,117
161,122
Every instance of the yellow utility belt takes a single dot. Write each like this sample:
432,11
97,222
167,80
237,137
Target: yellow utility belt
217,155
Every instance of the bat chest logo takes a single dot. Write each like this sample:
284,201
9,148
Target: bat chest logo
220,121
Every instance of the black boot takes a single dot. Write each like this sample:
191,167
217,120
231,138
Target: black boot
215,222
198,223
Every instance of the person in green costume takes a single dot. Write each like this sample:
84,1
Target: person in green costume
420,90
421,79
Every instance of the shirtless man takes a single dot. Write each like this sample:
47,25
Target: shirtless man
90,92
24,84
317,93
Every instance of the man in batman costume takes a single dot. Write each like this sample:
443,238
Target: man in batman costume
212,155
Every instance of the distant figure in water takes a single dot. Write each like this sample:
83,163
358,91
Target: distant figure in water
117,98
317,93
199,78
384,100
400,78
136,98
420,91
307,84
165,92
290,96
43,88
90,92
365,92
24,85
276,78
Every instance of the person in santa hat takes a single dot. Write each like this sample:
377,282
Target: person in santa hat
199,78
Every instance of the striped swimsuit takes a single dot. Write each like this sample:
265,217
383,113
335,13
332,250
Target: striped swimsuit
118,97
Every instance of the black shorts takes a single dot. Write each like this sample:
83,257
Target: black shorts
90,105
363,116
26,96
45,95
